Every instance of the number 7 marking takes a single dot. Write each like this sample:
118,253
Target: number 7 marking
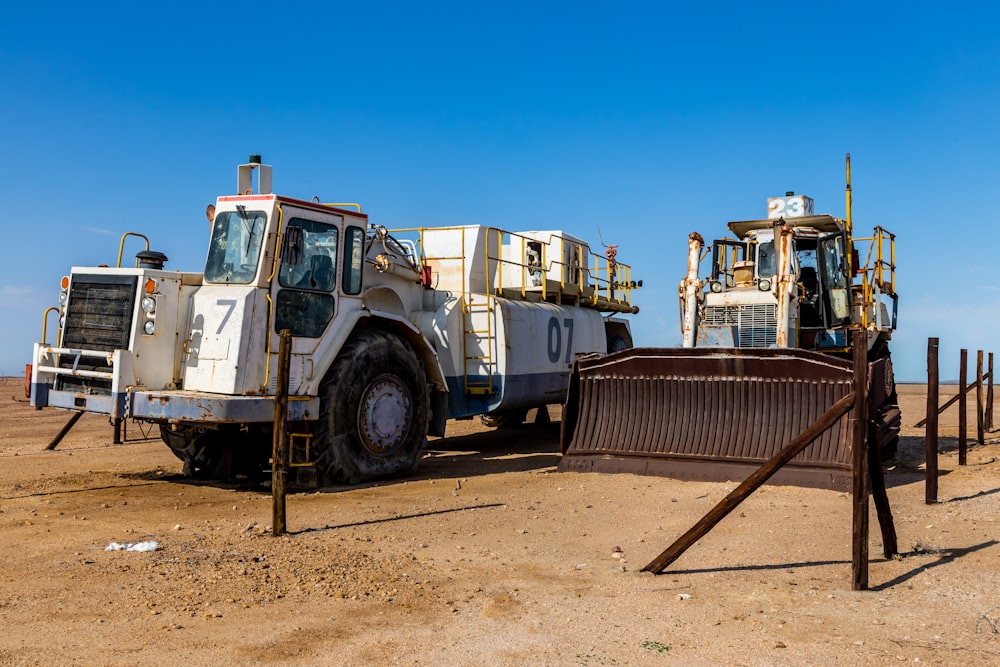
225,318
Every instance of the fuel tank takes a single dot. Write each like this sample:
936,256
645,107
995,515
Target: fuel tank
501,354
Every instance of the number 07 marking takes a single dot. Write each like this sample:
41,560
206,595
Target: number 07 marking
554,347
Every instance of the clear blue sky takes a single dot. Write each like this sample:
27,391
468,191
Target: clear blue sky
646,120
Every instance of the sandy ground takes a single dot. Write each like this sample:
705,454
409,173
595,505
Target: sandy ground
486,556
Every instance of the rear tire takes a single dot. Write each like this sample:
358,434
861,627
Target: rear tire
195,448
374,412
504,418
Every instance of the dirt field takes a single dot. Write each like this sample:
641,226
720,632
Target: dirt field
486,556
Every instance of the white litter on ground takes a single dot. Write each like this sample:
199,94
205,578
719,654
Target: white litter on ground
130,546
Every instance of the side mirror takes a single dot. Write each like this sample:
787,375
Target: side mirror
292,252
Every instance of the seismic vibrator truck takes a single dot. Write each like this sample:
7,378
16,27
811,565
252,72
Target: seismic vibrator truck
392,333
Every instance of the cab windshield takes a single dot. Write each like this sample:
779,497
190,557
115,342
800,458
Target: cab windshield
233,252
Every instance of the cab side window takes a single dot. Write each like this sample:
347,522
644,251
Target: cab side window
354,252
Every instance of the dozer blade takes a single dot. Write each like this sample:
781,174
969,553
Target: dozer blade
709,414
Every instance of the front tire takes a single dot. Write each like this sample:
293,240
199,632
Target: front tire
374,412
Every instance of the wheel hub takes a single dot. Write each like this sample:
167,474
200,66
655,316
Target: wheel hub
386,412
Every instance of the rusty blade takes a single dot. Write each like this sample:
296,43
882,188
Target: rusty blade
708,414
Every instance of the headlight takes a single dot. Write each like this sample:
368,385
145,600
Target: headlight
62,322
149,327
63,298
716,286
148,304
764,285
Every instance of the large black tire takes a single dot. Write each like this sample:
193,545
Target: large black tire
197,450
374,411
219,453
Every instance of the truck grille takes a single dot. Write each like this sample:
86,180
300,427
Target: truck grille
756,324
98,317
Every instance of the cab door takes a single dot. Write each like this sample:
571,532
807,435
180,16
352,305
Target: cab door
835,278
304,293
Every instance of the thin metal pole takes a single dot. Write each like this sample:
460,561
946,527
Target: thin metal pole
279,454
931,433
859,450
963,408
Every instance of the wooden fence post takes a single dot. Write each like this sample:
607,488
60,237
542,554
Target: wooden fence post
931,433
979,398
859,450
989,394
963,407
279,453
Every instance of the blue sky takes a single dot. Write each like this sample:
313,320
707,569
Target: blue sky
644,120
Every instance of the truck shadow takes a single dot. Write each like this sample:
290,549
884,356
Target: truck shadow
517,449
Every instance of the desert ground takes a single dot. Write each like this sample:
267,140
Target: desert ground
485,556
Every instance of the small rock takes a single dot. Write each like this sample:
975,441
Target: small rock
780,645
177,527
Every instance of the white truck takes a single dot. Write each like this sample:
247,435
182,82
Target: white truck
392,334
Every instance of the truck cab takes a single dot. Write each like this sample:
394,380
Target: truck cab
793,280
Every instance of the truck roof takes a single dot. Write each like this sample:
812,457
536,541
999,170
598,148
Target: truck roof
318,206
823,223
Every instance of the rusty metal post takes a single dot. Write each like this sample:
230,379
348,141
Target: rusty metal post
859,451
931,434
979,398
117,423
749,485
989,393
62,433
963,407
279,453
692,288
783,236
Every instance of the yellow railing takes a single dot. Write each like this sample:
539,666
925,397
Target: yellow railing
878,272
121,246
45,323
604,280
468,304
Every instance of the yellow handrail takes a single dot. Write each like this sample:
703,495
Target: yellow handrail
270,305
45,322
121,246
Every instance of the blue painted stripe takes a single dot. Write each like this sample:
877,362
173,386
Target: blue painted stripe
510,392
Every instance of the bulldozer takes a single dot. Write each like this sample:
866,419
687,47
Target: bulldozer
766,349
